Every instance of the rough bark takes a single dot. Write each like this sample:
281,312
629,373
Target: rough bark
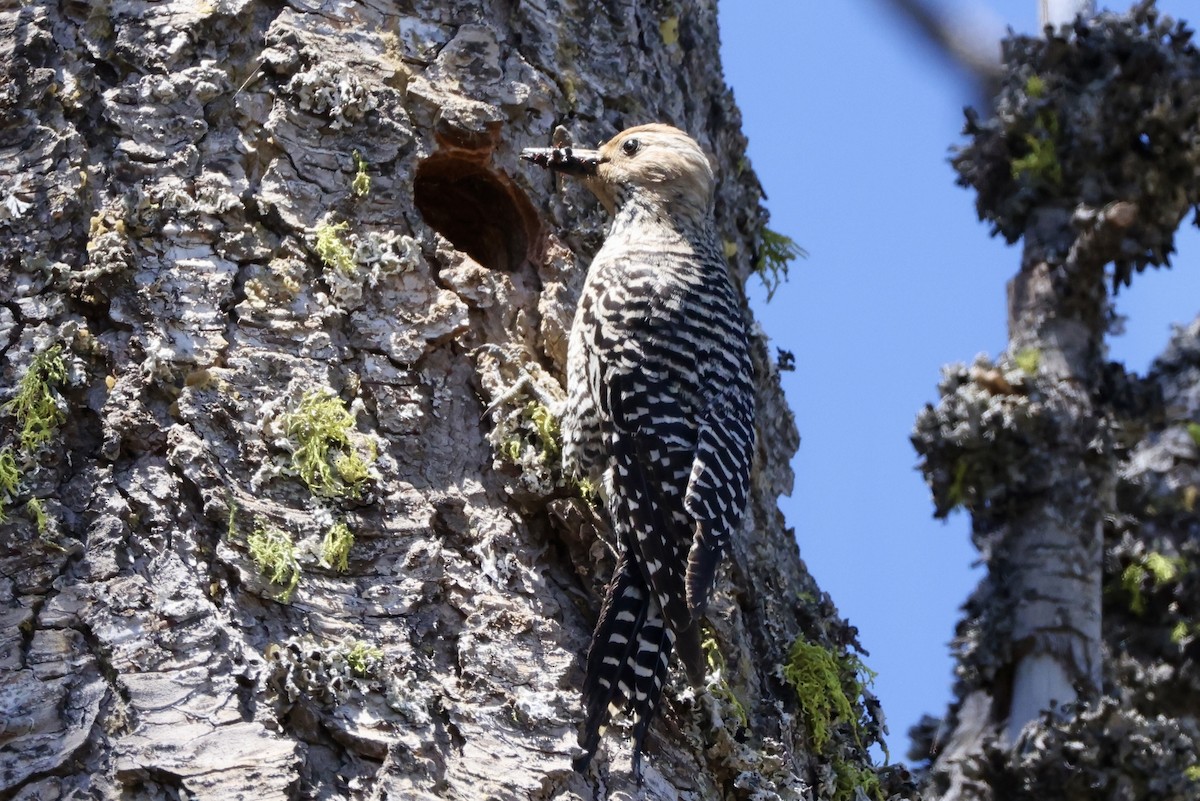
1090,161
285,257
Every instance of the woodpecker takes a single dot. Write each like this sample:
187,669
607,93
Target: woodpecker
659,412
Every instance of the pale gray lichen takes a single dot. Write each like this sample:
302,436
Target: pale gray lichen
975,442
525,403
301,667
1070,757
332,90
356,262
277,286
405,692
13,207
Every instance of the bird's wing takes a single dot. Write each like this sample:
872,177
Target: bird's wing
652,457
718,486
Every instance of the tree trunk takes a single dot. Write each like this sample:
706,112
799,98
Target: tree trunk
1089,160
264,268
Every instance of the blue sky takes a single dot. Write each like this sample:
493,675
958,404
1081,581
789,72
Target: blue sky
850,118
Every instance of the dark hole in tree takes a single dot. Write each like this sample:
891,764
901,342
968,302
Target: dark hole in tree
481,213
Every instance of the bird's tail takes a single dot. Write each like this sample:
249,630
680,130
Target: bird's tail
627,663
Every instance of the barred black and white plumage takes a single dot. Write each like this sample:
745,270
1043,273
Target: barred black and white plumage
659,412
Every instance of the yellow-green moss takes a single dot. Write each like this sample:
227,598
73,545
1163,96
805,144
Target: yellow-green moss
828,687
1041,162
323,454
1160,569
1028,359
956,492
10,479
851,778
588,491
274,554
545,425
1192,772
669,30
34,407
815,674
1035,86
1163,569
1193,430
722,690
363,659
546,437
361,184
335,548
37,511
511,449
231,524
332,251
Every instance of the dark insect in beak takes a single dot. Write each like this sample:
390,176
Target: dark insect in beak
566,160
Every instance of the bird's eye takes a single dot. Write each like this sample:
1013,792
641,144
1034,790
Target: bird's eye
630,146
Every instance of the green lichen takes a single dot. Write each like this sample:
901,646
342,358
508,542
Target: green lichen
1193,773
669,30
511,449
956,492
588,491
1193,430
323,453
38,414
1028,359
1154,567
545,425
10,479
815,675
721,689
1180,632
335,548
1035,86
543,435
851,778
1131,580
775,253
37,511
361,184
330,248
1041,163
354,468
274,553
828,687
364,660
231,525
1163,569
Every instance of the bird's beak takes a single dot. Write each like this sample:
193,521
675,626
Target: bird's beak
566,160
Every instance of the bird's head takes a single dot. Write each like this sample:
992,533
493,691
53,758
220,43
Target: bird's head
656,165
